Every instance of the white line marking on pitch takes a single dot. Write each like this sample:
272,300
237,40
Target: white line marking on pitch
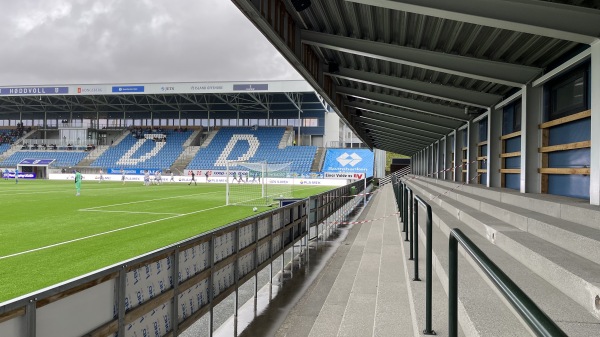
128,212
104,233
141,201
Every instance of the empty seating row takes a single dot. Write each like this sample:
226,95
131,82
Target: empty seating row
247,144
62,158
145,152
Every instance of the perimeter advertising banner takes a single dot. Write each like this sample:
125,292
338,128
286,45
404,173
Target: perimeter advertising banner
26,175
137,171
345,163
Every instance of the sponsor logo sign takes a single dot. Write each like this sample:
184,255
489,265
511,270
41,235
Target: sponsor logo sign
344,175
216,173
310,182
251,87
133,171
127,88
36,162
26,175
90,90
34,91
205,87
349,161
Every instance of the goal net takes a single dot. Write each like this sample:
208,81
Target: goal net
257,183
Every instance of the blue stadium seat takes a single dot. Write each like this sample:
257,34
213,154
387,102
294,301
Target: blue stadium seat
267,149
149,154
62,158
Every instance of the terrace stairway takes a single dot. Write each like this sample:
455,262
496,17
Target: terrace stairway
549,246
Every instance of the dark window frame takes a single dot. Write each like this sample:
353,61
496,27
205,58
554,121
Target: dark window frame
552,112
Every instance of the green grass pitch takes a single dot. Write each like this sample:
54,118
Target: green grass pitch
48,235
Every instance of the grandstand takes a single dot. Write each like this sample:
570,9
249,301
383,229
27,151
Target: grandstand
252,144
63,158
4,148
145,150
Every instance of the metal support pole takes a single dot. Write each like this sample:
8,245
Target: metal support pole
414,243
428,260
365,191
175,277
407,217
122,284
30,318
428,273
453,287
401,205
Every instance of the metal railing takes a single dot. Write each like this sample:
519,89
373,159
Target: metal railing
428,257
535,318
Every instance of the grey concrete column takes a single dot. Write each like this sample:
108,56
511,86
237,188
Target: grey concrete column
472,152
444,157
494,147
531,139
431,160
458,155
595,126
487,153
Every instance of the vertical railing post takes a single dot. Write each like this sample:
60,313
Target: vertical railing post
408,216
414,243
428,259
453,287
400,202
428,273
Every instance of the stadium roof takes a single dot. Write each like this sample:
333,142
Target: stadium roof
163,100
406,73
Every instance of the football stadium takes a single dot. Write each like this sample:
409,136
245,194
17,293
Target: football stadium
436,172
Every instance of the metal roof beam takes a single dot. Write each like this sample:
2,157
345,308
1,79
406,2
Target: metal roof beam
399,121
375,130
490,71
404,114
407,103
559,21
397,146
400,138
370,124
400,127
438,91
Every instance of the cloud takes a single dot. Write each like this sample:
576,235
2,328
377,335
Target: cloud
121,41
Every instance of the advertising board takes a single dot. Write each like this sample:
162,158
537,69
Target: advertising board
351,161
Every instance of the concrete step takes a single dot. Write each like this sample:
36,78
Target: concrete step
378,300
570,209
561,273
362,290
482,311
580,239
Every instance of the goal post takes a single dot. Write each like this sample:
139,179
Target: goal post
257,183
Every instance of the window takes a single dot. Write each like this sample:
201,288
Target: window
511,118
310,122
483,126
569,94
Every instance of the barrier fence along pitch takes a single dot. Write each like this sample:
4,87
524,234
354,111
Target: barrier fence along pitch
167,290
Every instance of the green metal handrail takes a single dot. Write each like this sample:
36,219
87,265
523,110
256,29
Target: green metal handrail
536,319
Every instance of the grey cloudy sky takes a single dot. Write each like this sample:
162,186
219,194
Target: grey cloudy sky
118,41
